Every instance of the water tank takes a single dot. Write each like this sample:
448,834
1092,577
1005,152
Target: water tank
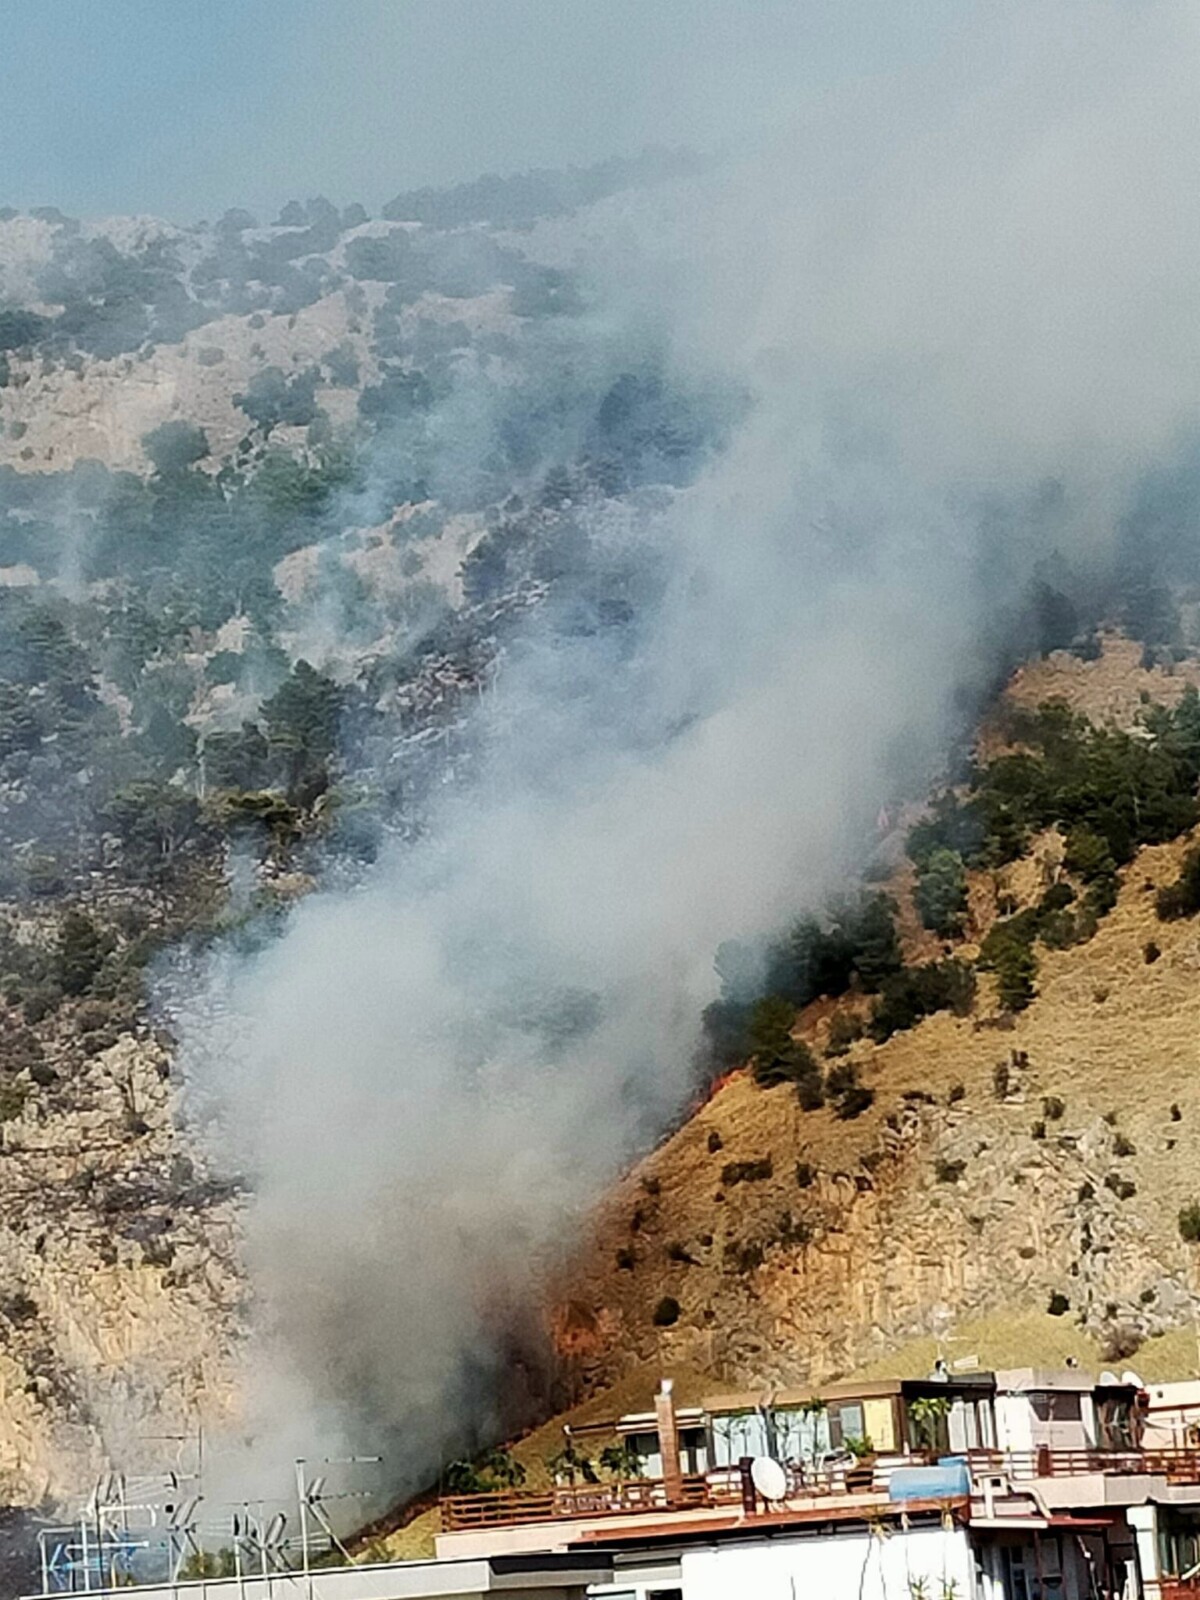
949,1480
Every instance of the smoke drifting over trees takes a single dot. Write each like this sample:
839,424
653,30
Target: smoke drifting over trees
950,318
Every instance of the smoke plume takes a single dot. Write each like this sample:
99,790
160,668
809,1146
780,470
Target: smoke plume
933,294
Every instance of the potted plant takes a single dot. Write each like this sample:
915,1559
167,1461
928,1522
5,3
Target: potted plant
862,1474
927,1416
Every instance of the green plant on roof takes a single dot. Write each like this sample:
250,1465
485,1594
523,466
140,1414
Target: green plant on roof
570,1465
622,1460
927,1413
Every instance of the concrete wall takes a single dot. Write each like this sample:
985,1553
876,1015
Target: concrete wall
830,1567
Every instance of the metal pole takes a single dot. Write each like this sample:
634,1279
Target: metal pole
83,1545
302,1497
45,1562
237,1550
262,1545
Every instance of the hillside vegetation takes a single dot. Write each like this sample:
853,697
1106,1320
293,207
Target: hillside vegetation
277,501
1009,1176
1019,1142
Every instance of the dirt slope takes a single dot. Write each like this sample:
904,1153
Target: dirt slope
1005,1160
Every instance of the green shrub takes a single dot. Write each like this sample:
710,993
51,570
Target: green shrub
918,992
941,892
857,940
1189,1222
80,954
1181,898
622,1460
1014,979
844,1030
778,1058
771,1023
849,1097
1059,1304
735,1172
948,1171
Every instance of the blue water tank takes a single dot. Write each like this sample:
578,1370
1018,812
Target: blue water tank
949,1480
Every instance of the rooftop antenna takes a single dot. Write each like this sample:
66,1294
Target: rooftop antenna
313,1498
941,1320
181,1534
259,1539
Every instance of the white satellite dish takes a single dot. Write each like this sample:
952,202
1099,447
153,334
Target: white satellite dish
1130,1376
769,1478
1108,1378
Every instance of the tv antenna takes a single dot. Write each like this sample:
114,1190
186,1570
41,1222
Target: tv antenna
313,1498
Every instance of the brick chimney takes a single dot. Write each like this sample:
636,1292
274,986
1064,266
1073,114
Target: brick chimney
668,1443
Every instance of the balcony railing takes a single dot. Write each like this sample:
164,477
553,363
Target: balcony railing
581,1501
1177,1588
807,1484
1177,1466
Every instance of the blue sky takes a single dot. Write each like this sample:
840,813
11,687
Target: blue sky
185,107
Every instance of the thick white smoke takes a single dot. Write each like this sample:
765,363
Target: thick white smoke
933,290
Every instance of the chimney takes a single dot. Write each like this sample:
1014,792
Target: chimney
668,1443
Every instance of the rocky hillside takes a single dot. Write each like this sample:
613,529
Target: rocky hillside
1014,1183
1034,1158
277,504
273,497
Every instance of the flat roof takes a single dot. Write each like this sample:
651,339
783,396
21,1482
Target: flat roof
687,1527
1069,1380
557,1572
868,1389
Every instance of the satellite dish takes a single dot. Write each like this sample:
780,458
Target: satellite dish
1107,1378
1130,1376
769,1478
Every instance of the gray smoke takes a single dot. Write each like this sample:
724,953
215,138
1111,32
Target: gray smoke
935,292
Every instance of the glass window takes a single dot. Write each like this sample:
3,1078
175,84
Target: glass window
1051,1406
693,1450
801,1437
738,1434
846,1422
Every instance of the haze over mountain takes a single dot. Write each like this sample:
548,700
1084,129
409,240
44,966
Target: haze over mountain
444,656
